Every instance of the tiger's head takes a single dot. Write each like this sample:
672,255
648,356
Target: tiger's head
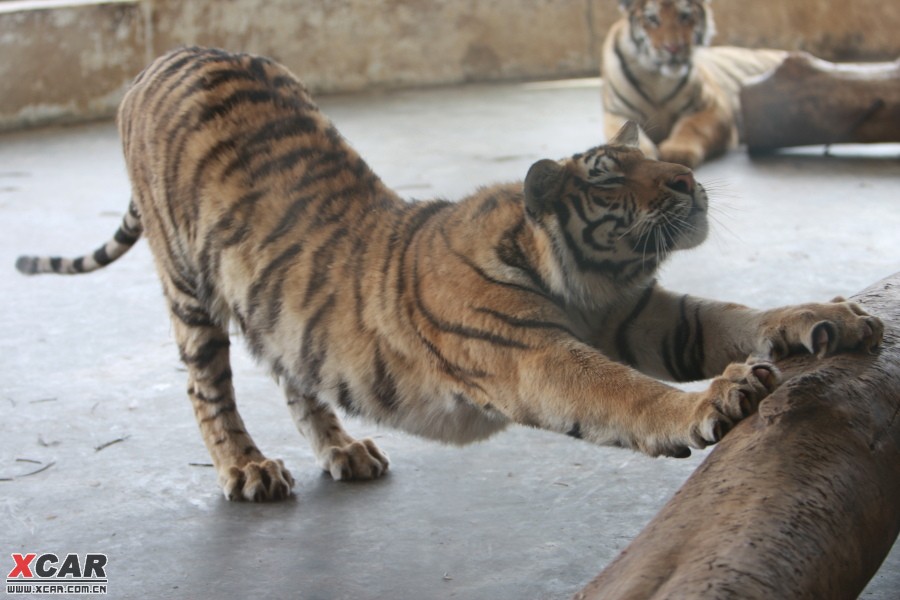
665,32
612,214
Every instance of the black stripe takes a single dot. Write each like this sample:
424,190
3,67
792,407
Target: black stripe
191,316
511,254
313,353
55,264
274,270
280,164
421,214
384,388
630,76
237,99
358,252
78,264
607,266
175,272
345,399
623,100
288,220
468,262
322,264
623,348
575,431
101,257
457,328
526,323
682,359
680,85
206,353
125,238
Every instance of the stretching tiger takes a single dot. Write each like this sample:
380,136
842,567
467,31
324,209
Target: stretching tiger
685,96
531,303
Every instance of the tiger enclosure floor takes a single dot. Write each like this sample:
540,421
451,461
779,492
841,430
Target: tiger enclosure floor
99,451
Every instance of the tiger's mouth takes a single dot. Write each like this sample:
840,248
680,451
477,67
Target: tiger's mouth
673,65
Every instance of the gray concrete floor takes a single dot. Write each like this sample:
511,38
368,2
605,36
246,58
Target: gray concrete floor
526,515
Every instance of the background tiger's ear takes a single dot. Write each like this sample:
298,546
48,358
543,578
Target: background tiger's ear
627,136
543,185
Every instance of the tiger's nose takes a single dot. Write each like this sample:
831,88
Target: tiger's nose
684,183
673,48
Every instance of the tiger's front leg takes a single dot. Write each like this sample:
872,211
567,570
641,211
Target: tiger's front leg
684,338
574,389
339,454
699,136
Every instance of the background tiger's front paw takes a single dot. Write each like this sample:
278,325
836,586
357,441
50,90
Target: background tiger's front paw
822,329
258,481
732,396
360,459
682,153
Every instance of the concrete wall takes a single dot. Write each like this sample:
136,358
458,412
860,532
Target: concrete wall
67,60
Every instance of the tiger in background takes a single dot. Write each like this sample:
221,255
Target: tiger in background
658,71
531,302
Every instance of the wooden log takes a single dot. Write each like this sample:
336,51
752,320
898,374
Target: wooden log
809,101
798,501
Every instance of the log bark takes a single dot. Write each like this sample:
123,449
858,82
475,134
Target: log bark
801,500
809,101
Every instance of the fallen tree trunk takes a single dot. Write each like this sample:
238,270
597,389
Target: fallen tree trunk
810,101
801,500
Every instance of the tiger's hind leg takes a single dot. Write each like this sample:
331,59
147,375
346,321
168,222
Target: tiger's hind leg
244,472
337,452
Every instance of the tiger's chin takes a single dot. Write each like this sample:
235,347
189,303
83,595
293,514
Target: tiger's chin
696,227
693,238
675,70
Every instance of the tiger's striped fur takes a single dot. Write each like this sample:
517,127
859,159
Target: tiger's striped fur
658,72
519,304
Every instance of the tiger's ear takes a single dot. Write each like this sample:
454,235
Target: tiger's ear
543,185
629,135
625,5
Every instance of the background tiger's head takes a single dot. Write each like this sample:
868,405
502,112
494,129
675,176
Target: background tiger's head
613,212
666,31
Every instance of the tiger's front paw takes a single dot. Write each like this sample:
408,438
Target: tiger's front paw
258,481
731,397
360,459
680,152
821,329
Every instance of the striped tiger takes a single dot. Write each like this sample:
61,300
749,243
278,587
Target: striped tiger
532,302
658,71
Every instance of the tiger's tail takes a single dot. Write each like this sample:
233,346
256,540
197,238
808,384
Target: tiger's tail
125,237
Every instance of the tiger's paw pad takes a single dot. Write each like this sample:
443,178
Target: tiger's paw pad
258,481
360,459
731,397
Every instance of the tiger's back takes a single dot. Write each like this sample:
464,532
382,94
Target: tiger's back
259,212
236,171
